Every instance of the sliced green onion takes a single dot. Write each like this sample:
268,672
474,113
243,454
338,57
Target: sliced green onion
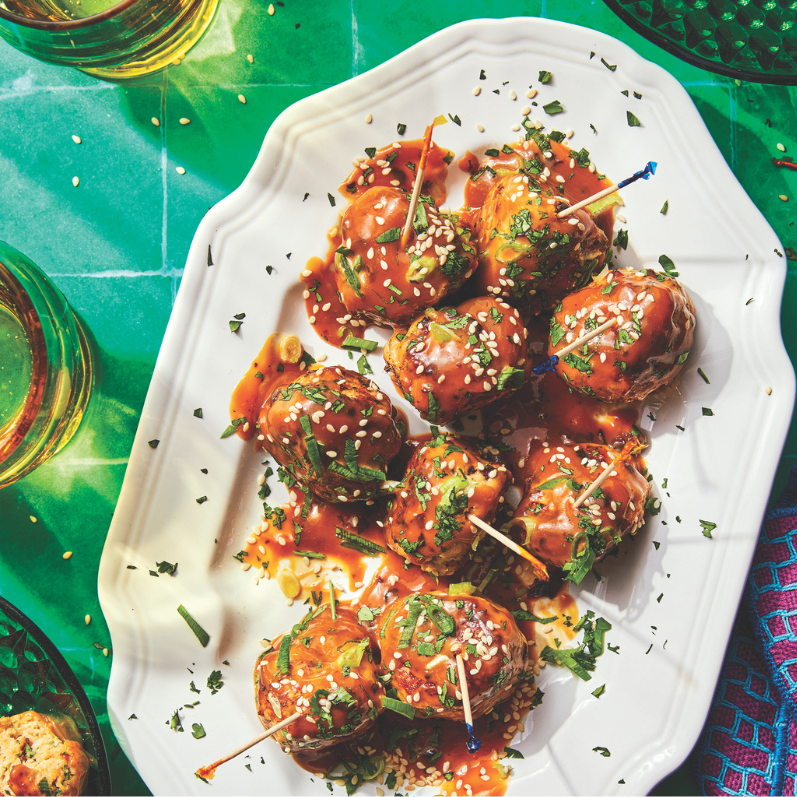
284,656
521,615
353,342
408,629
350,540
199,632
310,554
399,707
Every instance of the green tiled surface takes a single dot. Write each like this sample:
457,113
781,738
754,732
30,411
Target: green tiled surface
117,243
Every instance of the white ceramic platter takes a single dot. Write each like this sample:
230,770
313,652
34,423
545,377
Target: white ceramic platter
719,469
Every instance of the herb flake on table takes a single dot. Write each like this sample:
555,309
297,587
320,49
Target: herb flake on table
604,751
210,256
544,76
166,567
153,443
632,120
197,731
665,207
331,199
553,108
511,753
610,67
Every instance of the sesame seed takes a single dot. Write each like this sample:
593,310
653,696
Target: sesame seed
531,93
480,128
368,119
526,110
781,147
783,198
156,121
180,170
88,619
76,181
185,121
250,58
242,99
271,10
477,90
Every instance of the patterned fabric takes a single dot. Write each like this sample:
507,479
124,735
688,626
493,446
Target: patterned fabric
749,744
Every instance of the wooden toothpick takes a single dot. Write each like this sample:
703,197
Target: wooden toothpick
473,743
628,448
644,174
421,168
540,571
608,471
550,363
209,772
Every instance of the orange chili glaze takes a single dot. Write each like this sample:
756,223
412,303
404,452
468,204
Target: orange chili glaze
579,181
546,409
23,780
309,525
319,285
263,375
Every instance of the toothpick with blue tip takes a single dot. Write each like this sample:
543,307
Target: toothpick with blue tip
644,174
550,363
473,744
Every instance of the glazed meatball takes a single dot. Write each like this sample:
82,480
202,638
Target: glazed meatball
39,754
333,430
427,521
644,350
427,631
325,669
527,254
574,539
379,279
458,359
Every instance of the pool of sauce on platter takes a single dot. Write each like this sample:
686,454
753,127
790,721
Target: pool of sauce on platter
545,411
326,312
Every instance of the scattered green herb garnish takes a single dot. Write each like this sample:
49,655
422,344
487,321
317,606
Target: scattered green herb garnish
199,632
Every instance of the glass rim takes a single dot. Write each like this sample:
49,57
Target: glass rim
74,24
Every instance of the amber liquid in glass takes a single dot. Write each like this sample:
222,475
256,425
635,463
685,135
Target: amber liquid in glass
139,38
16,367
58,10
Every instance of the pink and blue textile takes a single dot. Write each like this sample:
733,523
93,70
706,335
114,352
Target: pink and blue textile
749,744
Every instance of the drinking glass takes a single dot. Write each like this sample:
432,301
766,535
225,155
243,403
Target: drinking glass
46,368
111,39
